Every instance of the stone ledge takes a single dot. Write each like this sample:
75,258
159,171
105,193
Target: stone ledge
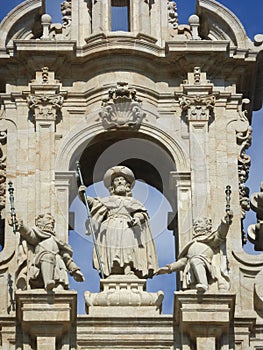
125,332
43,313
199,314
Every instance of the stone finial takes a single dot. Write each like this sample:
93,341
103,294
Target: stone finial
258,39
45,75
46,21
197,75
122,108
194,23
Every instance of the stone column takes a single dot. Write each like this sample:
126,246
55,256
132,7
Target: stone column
140,17
101,16
180,182
45,100
63,184
81,21
197,103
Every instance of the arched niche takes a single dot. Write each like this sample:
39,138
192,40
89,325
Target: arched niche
150,152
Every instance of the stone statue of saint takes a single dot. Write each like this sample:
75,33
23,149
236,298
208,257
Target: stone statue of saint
201,259
43,260
121,225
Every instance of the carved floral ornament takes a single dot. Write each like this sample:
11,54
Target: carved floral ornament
197,107
244,139
45,107
122,108
172,14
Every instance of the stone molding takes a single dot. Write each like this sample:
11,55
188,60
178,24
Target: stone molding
126,332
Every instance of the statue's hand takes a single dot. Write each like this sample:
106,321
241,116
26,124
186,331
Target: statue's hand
18,222
134,222
163,270
229,216
78,276
82,189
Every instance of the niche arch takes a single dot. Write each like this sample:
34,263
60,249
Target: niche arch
156,152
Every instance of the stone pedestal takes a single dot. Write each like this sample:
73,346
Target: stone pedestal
123,295
47,319
205,319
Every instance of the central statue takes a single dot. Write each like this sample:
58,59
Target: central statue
122,231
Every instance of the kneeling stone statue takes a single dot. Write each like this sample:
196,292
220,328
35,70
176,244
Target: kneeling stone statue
43,259
201,258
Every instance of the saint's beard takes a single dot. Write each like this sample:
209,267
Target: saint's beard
120,189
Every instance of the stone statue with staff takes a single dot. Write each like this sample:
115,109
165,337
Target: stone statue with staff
123,240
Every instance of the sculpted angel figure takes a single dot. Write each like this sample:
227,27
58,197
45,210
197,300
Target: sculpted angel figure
201,259
121,223
43,259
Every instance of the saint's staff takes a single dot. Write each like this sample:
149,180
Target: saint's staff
228,198
91,229
12,204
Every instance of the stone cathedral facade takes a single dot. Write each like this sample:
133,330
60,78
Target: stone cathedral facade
173,102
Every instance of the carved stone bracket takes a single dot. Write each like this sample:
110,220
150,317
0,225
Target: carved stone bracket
197,100
45,107
45,98
122,108
197,107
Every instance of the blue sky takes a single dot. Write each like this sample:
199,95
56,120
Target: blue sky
250,15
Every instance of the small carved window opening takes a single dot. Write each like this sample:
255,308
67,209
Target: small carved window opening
120,15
